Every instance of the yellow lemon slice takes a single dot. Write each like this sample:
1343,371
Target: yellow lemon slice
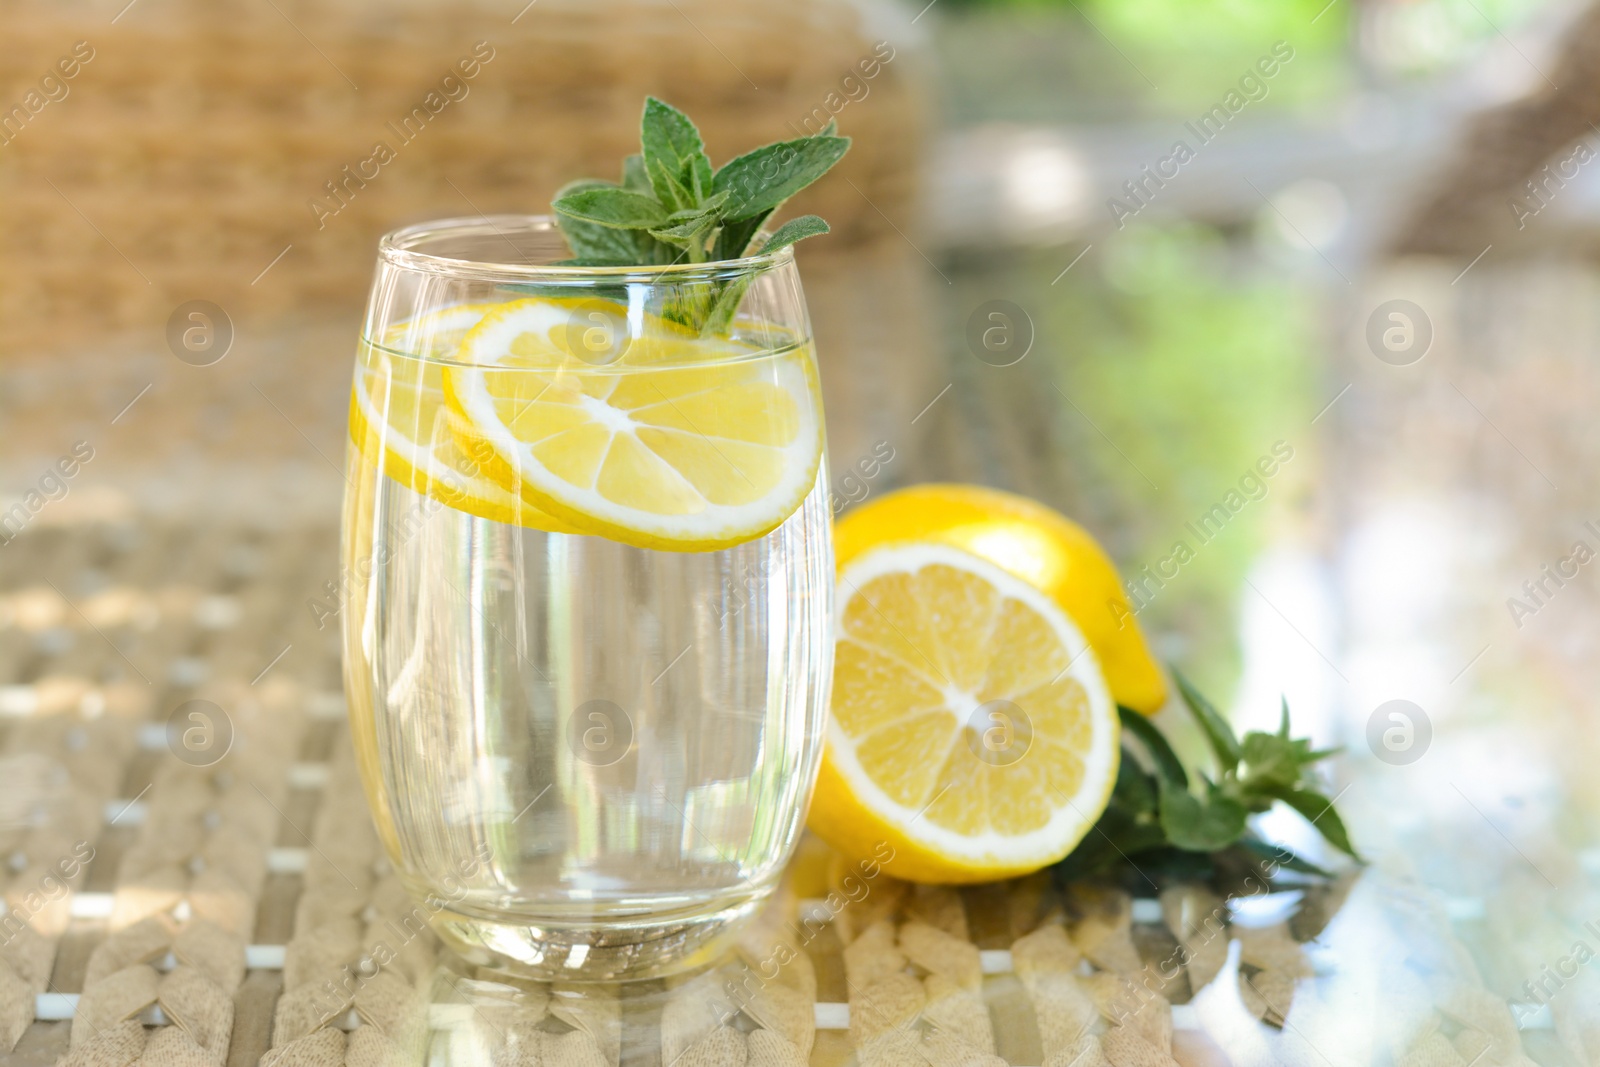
435,333
627,427
401,426
971,728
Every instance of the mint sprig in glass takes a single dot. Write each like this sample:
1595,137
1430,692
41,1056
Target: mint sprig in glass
673,207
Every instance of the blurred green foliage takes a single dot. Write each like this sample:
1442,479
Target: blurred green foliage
1194,50
1105,59
1194,356
1186,352
1132,57
1185,355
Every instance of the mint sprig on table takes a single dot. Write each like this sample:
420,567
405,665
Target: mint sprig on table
1166,818
672,206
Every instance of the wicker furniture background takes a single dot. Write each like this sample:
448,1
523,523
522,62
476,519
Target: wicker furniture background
182,159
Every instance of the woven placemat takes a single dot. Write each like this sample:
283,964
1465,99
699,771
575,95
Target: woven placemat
166,907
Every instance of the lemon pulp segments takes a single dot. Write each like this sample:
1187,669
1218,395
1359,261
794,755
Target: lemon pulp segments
636,431
971,727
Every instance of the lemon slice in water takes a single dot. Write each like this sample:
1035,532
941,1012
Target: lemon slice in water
635,430
400,424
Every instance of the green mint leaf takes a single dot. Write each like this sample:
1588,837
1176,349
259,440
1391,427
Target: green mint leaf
1168,765
699,182
680,242
1278,760
1318,811
592,241
671,140
607,246
686,235
1200,825
689,229
794,230
1270,760
1135,791
611,206
690,305
668,189
734,240
761,180
719,319
1116,837
635,177
672,206
686,228
1180,823
1283,857
1215,727
710,207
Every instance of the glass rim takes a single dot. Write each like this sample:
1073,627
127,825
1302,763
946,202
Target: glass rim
399,248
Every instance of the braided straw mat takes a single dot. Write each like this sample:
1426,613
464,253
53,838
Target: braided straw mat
223,910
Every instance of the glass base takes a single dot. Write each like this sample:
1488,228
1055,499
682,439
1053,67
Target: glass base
606,951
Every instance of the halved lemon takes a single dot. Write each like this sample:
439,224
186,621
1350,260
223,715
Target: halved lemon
971,728
399,422
628,427
1029,541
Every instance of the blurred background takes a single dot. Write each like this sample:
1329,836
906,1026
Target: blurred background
1355,236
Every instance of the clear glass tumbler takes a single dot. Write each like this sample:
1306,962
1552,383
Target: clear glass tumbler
587,582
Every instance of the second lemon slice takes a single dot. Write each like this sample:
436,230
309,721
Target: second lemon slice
400,425
634,431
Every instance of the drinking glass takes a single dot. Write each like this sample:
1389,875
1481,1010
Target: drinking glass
588,718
